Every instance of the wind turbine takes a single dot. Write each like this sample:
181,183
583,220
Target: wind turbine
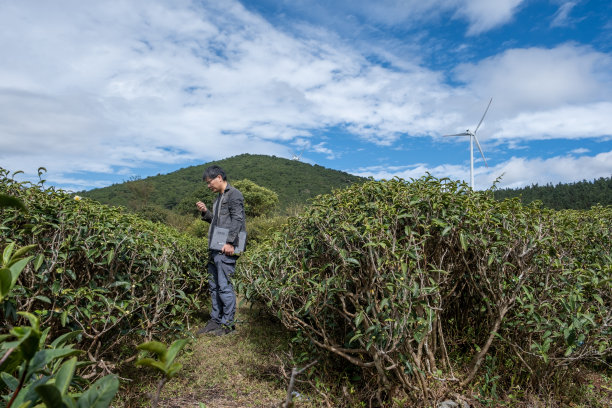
296,157
473,137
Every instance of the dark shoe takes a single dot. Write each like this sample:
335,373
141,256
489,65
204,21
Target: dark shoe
223,330
210,326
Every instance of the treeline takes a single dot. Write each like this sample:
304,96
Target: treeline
295,182
581,195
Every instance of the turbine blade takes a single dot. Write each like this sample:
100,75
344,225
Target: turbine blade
458,134
480,148
483,115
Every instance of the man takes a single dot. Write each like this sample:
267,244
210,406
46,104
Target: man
227,212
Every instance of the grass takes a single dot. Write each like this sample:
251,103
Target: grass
241,369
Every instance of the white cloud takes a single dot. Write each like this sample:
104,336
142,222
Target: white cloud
562,16
515,172
539,78
85,87
414,171
485,15
518,171
542,93
565,122
481,15
320,148
96,88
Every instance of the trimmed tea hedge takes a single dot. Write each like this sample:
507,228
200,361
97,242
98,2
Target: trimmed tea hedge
428,285
118,278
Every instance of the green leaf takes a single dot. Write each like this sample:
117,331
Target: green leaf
6,254
491,259
100,394
463,241
359,318
34,322
21,252
64,375
65,338
154,347
173,369
69,401
13,202
120,283
43,299
150,362
174,349
17,267
50,395
355,337
71,273
28,394
11,362
598,298
46,356
9,380
40,258
28,341
352,261
6,280
109,256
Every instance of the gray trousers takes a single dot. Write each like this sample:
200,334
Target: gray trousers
223,298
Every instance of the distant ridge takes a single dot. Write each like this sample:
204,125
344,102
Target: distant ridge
581,195
294,181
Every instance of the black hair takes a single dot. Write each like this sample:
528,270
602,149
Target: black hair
212,172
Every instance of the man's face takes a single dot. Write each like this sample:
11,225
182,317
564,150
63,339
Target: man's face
215,185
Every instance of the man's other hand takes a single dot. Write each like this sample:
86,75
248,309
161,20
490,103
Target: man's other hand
228,249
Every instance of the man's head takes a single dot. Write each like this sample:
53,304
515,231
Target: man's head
215,178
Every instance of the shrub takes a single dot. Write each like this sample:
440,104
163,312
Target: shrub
417,283
261,228
258,201
153,213
31,370
115,276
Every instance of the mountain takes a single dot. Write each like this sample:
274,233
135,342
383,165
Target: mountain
295,182
581,195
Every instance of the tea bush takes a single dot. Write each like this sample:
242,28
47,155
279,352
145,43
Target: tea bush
33,370
118,278
422,283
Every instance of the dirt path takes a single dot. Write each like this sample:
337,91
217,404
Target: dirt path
241,369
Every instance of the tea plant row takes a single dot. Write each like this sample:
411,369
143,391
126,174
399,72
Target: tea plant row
428,287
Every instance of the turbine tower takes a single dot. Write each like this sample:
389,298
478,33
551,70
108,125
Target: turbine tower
473,137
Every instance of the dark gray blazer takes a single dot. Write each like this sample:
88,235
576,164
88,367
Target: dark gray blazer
231,214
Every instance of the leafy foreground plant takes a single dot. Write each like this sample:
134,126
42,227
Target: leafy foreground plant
164,363
114,277
417,283
33,373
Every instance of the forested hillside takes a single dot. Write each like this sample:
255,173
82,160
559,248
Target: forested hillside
578,196
294,182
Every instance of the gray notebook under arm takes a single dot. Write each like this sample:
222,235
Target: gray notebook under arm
219,239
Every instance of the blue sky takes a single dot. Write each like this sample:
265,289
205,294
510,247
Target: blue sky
99,92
